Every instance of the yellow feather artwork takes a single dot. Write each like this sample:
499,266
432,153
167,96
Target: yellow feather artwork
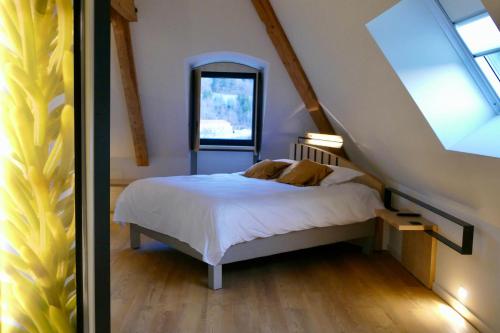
37,209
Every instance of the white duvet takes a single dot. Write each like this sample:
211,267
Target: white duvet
212,213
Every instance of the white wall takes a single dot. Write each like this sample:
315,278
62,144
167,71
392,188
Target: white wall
167,35
354,80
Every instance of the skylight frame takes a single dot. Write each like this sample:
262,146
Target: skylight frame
465,54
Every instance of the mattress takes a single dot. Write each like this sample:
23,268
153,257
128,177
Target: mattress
213,212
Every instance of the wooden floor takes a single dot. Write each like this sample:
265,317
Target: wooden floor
328,289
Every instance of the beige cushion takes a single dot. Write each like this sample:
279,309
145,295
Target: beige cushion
292,165
266,169
306,173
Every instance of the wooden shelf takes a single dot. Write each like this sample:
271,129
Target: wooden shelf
418,249
403,223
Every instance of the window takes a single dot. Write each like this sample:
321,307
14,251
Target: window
482,38
476,38
227,104
423,46
225,110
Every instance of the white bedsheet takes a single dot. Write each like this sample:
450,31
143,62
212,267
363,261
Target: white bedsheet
212,213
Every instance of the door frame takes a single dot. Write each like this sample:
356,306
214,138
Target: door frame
95,306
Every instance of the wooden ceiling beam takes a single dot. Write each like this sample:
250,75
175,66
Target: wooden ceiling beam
126,8
294,67
127,68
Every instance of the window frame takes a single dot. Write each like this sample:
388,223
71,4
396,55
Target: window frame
229,144
464,53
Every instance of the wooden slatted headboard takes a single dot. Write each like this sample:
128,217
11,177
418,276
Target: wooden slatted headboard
301,152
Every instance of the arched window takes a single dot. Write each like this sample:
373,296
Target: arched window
226,107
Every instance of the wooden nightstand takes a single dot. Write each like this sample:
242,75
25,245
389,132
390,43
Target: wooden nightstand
418,253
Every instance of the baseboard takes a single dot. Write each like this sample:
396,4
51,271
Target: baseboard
461,309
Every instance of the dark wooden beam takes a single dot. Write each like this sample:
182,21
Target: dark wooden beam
294,67
125,8
121,31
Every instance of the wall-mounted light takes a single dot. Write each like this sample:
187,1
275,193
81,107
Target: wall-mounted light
455,310
322,140
452,315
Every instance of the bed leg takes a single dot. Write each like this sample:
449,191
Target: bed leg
215,277
135,237
368,243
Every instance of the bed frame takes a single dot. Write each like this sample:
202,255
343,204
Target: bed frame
296,240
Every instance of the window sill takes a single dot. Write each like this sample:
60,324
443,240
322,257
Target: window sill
483,141
226,148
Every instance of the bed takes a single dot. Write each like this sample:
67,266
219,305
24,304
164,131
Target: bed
226,218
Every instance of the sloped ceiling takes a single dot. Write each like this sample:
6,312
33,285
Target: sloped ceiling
353,80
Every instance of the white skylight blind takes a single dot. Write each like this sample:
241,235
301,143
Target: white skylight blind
480,34
482,38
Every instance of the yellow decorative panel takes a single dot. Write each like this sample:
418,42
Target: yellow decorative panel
37,211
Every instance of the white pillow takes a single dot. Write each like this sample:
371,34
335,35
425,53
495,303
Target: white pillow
340,175
286,160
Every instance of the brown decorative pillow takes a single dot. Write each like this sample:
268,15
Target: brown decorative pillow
266,169
306,173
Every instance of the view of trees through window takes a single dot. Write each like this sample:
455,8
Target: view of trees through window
226,108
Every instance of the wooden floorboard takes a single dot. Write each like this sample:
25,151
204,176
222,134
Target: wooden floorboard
329,289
